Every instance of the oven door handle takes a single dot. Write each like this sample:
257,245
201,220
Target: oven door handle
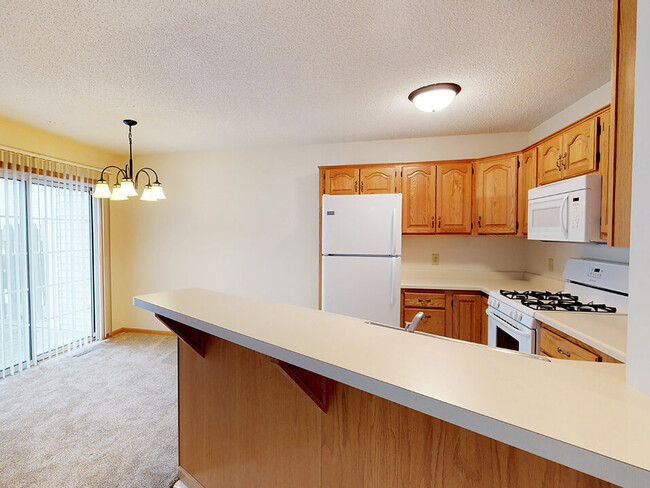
514,331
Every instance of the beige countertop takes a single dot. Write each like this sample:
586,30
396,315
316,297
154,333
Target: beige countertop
605,332
580,414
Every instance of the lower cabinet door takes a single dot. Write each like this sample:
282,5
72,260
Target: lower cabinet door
466,319
432,323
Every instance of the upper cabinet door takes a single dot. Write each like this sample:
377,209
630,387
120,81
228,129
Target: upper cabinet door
527,180
378,179
419,199
496,195
342,181
579,156
549,164
604,148
454,198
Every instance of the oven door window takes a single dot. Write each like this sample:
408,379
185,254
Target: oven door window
506,341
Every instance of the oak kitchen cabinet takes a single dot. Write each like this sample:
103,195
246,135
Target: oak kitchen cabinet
490,196
571,153
377,179
418,198
555,344
455,314
496,194
484,319
454,198
527,180
361,180
342,181
604,147
437,198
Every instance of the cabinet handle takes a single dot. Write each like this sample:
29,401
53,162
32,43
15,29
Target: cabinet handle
427,317
433,222
566,353
557,163
355,186
479,221
424,300
438,222
362,187
564,161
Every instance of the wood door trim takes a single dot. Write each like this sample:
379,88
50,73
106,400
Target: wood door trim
188,479
299,377
189,335
622,121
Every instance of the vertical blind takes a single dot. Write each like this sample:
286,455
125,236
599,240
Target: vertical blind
47,298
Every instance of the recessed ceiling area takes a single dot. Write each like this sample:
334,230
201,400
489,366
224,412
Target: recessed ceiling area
207,75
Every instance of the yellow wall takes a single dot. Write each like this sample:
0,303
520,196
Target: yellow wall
23,136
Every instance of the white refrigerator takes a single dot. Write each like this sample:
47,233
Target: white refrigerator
361,263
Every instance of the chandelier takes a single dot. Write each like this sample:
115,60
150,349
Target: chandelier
126,183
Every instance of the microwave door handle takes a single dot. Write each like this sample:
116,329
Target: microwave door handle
565,225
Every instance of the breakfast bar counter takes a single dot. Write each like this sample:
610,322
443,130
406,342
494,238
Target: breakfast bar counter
280,395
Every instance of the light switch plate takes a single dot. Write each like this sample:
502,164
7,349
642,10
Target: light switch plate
435,259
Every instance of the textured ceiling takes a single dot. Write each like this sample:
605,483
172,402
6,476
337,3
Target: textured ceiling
202,75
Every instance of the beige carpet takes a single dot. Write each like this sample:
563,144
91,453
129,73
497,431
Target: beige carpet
105,418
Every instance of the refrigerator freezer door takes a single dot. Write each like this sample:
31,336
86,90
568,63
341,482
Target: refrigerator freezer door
363,287
362,224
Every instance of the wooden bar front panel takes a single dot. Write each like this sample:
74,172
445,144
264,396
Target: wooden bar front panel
242,423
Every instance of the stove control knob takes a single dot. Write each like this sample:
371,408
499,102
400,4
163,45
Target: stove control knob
519,316
497,304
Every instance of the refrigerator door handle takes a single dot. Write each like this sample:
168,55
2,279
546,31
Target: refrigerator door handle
392,281
393,230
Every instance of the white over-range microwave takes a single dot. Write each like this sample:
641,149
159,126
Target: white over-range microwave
567,210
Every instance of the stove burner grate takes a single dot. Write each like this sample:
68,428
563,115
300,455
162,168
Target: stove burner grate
549,301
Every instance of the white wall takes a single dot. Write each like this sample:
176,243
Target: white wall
587,104
538,254
638,336
246,222
483,253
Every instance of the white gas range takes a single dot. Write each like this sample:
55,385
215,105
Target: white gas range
591,287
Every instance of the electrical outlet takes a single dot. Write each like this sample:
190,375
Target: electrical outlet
550,264
435,259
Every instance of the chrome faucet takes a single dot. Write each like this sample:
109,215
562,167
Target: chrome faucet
410,326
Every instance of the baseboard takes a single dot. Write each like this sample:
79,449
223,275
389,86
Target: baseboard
140,331
188,479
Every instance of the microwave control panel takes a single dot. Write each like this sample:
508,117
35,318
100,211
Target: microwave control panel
576,224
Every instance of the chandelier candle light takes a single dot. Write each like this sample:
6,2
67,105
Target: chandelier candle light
127,186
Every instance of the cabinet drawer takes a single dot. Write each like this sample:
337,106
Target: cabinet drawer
424,300
432,323
553,345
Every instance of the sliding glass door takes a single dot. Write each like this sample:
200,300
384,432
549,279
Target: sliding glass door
47,304
60,256
15,333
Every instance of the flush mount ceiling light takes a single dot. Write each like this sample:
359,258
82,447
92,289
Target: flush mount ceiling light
126,183
433,98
